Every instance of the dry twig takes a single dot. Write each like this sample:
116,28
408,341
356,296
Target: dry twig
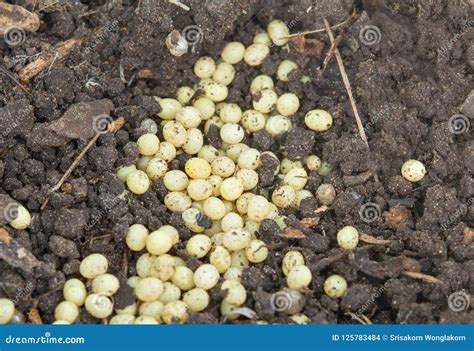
9,75
372,240
424,277
60,53
113,127
348,87
34,316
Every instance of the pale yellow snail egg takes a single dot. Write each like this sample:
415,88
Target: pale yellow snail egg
318,120
348,238
266,101
299,277
335,286
204,67
277,30
288,104
255,54
413,170
284,68
169,108
233,52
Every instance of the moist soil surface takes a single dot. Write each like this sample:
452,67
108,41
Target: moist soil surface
407,86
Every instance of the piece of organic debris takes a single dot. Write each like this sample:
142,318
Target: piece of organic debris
9,75
58,54
34,316
147,73
468,236
348,87
397,217
17,17
310,221
362,319
15,254
176,43
307,47
84,119
111,128
424,277
292,233
372,240
355,15
357,179
381,270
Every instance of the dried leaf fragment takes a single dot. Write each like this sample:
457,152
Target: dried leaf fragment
397,217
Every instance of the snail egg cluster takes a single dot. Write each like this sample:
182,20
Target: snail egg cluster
214,191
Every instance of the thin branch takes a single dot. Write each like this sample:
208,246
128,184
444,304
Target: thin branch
9,75
348,87
424,277
314,31
113,127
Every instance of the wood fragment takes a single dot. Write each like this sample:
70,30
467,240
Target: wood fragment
112,128
292,233
15,254
421,276
348,87
362,319
372,240
9,75
14,16
58,54
34,316
307,47
314,31
310,221
354,16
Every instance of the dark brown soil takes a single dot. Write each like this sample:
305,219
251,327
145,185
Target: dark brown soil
407,87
